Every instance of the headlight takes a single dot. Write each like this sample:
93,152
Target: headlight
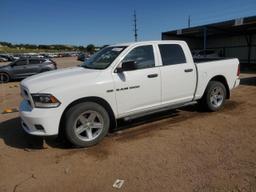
45,100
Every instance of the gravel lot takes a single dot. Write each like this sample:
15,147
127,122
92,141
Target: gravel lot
180,150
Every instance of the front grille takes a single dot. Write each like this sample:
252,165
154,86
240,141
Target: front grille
24,92
24,125
26,95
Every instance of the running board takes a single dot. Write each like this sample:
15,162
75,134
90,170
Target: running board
128,118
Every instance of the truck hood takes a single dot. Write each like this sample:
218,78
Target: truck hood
59,78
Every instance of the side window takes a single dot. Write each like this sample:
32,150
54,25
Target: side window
172,54
34,61
143,57
20,62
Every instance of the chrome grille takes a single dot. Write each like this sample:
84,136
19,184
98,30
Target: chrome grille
26,95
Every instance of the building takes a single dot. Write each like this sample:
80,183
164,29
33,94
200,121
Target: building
233,38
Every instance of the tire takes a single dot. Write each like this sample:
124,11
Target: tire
214,96
86,124
4,77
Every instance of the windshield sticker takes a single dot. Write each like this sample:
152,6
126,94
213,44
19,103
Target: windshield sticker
118,49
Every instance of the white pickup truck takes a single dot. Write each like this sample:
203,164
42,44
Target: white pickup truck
122,81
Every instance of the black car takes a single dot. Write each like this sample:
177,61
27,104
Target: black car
25,67
81,57
7,57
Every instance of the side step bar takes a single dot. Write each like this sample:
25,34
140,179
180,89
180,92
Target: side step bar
128,118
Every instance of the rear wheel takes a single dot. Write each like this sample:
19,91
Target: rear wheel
86,124
4,77
214,97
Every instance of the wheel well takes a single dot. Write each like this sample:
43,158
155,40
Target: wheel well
98,100
223,80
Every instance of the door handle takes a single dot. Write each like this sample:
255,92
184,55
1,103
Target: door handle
152,75
188,70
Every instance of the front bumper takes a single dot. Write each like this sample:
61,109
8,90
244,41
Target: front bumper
39,121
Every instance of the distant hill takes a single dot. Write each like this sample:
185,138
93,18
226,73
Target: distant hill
7,47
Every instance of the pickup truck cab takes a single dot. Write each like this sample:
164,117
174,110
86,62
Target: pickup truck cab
122,81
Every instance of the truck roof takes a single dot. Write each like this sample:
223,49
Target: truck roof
145,42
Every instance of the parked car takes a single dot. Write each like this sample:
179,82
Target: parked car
17,56
7,57
25,67
122,81
206,54
40,56
52,55
2,59
82,56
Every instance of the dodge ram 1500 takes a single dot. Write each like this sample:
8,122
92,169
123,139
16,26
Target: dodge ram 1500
122,81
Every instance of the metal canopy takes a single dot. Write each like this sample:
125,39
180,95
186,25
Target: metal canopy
246,27
237,27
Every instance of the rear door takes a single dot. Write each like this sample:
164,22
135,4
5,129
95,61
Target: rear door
178,75
34,65
139,89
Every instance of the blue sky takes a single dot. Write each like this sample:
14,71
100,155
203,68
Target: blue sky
81,22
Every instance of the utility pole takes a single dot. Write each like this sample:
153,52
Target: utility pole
189,21
135,26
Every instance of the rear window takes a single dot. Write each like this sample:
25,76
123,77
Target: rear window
172,54
34,61
21,62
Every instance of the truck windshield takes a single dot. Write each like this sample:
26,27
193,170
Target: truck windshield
103,58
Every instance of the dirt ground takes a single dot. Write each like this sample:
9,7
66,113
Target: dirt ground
180,150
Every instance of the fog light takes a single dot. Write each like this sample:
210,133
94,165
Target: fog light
39,127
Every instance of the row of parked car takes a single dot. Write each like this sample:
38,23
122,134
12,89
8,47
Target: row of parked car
13,57
5,57
24,65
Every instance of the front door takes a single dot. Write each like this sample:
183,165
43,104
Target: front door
20,68
139,89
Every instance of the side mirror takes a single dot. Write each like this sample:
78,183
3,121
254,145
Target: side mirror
126,66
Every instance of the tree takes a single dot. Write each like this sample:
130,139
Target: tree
81,48
90,48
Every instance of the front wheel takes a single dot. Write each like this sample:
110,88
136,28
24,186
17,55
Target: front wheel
214,97
4,77
86,124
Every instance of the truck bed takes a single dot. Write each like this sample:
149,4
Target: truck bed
202,60
226,68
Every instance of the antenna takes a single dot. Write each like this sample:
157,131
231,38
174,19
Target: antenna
135,26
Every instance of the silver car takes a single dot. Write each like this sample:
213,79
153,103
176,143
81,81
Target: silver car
25,67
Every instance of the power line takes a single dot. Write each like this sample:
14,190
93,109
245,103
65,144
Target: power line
135,26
